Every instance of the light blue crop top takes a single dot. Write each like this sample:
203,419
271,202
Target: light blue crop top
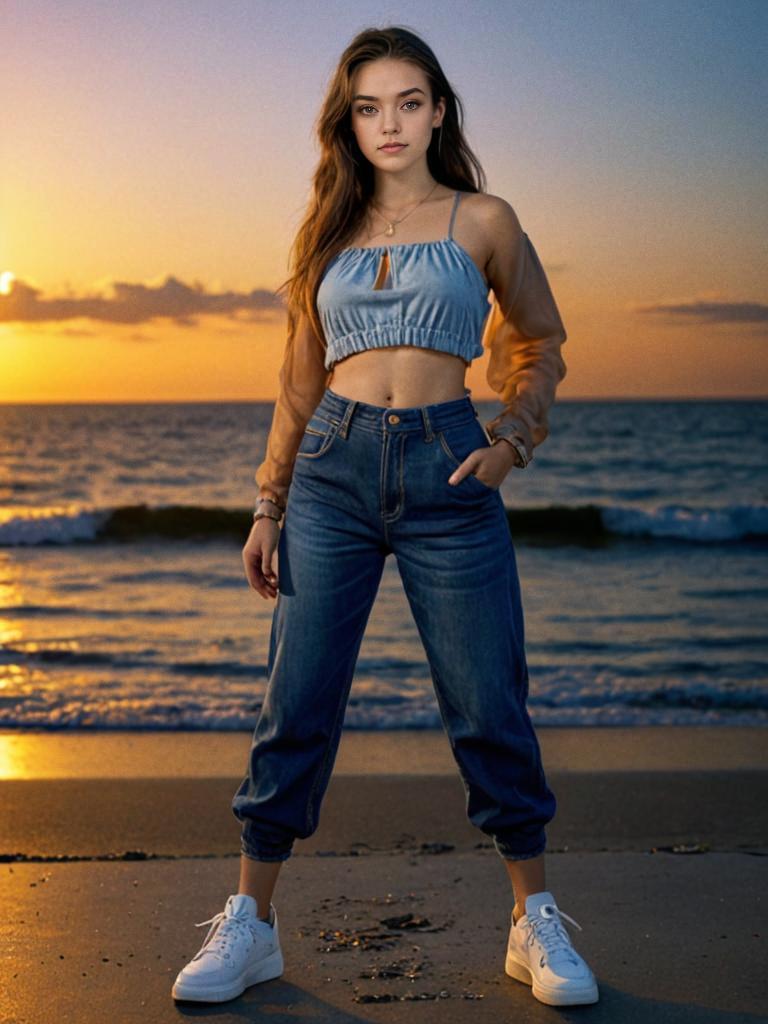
433,296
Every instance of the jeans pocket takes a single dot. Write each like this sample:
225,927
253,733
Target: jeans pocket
317,438
457,443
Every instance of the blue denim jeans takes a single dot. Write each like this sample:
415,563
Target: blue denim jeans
370,481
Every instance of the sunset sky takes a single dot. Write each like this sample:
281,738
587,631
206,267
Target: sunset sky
155,159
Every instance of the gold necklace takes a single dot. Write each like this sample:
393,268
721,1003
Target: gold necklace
390,229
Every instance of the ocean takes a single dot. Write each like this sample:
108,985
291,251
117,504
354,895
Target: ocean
640,528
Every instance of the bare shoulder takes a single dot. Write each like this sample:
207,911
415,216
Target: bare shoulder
495,218
492,229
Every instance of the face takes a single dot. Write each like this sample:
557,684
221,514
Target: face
392,103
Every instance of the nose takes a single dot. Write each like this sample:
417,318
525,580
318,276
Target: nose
391,124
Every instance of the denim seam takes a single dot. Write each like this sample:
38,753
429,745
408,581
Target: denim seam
330,437
382,485
444,716
345,409
390,517
471,475
467,782
347,417
326,759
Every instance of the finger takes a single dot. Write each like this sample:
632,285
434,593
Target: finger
460,472
262,586
254,574
268,572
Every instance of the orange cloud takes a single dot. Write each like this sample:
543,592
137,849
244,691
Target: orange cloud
137,304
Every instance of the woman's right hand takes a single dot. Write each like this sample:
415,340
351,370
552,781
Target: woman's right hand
260,556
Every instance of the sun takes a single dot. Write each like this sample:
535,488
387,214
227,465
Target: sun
6,282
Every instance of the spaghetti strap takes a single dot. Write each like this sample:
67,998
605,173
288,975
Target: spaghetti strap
456,199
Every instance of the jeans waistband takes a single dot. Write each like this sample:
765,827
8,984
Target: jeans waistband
427,418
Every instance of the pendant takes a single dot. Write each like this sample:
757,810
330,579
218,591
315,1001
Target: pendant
390,230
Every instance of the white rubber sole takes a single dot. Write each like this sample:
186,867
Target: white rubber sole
551,996
271,967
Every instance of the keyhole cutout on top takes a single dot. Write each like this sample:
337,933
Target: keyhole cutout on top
383,276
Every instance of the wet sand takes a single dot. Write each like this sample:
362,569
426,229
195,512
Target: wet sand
396,904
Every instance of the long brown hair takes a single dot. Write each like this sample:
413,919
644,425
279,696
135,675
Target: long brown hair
343,181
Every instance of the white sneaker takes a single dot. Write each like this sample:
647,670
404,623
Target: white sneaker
540,954
239,950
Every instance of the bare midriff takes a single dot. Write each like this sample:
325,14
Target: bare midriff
400,376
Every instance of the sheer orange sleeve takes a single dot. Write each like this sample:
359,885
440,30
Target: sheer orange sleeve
524,332
303,379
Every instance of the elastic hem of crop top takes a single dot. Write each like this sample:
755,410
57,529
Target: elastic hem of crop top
394,334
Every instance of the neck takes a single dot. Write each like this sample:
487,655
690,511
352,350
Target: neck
393,193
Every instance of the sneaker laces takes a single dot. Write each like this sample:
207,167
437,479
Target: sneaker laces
546,928
227,930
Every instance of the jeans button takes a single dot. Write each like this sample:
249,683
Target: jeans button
393,418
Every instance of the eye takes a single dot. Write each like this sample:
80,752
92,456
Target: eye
368,106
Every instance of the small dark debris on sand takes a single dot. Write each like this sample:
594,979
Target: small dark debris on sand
405,967
389,997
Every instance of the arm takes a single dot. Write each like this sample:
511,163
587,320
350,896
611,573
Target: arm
303,379
524,333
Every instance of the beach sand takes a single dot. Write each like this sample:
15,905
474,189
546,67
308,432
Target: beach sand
118,843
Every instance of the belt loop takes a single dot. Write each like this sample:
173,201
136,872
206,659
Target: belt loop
344,428
428,435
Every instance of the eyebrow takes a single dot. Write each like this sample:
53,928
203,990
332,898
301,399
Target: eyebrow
405,92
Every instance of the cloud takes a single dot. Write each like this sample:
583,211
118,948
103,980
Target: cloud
710,311
127,303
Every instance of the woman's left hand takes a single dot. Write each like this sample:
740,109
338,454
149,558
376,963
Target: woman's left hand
493,464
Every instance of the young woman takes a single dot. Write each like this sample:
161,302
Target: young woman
376,448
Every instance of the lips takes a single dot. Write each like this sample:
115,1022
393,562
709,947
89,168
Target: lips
392,149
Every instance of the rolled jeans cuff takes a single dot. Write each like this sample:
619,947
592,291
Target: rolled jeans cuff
509,854
255,851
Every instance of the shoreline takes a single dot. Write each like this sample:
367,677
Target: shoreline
29,754
92,795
